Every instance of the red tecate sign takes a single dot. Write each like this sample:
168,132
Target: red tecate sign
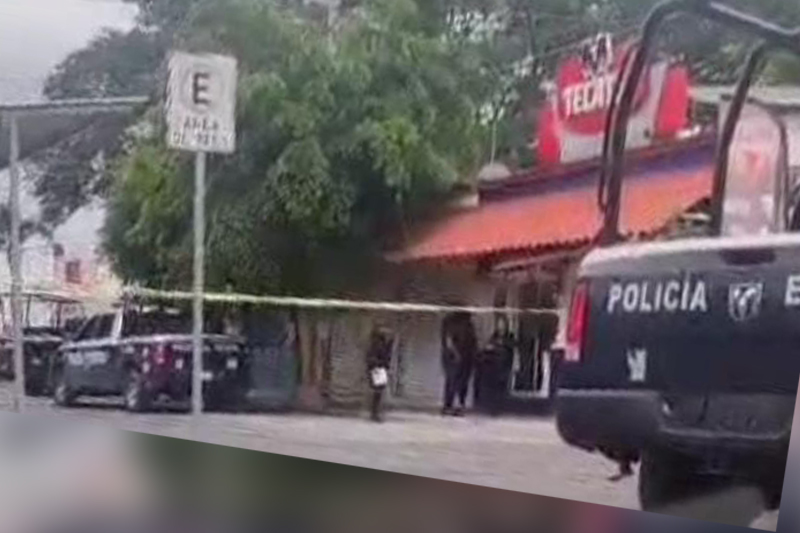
584,95
572,122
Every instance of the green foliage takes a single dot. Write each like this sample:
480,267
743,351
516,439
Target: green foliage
345,133
150,216
783,69
114,64
342,137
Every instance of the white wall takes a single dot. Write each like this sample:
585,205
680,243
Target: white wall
416,379
79,237
421,374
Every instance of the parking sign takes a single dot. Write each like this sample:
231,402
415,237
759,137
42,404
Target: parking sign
201,103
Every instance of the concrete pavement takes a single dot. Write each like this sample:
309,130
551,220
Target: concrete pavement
516,453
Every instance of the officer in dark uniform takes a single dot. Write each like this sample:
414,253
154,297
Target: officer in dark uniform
498,365
459,350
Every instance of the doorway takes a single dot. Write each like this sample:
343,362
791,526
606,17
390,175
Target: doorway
536,334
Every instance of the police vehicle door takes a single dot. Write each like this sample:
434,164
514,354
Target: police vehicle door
98,354
73,361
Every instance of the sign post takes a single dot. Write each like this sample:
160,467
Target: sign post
201,104
199,280
16,267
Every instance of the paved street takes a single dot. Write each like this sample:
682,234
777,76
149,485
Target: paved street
523,454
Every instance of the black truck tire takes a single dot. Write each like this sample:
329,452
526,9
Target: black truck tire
34,387
219,400
63,395
666,478
773,492
37,383
137,399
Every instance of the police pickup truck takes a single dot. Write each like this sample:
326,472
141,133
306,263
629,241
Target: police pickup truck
145,355
683,354
47,318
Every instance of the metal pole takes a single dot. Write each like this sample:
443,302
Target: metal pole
15,265
199,271
494,140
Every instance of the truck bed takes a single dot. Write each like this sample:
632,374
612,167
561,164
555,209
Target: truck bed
693,341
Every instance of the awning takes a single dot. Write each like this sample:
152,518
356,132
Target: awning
559,219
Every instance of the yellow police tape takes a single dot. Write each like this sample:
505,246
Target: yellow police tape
332,304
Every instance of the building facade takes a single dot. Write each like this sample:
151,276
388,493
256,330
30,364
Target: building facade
523,243
517,241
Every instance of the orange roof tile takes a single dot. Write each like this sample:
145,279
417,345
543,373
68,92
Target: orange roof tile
560,218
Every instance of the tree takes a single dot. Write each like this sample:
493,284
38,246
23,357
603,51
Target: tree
512,46
342,138
112,65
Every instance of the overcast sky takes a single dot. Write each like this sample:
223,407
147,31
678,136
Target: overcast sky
35,35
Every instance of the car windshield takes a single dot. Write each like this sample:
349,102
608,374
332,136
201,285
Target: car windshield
158,322
162,322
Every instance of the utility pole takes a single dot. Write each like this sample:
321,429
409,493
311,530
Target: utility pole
15,266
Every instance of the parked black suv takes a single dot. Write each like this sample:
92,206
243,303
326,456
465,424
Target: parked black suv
145,356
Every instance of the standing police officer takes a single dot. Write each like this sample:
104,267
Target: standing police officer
459,350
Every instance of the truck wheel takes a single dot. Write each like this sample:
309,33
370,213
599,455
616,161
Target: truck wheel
63,395
228,400
136,398
36,384
773,492
664,479
34,388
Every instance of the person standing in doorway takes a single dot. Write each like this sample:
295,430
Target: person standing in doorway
450,362
459,350
499,365
379,357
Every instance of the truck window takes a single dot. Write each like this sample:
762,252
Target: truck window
142,324
793,208
157,323
105,323
87,330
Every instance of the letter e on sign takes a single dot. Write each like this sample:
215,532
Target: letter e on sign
793,291
200,89
201,103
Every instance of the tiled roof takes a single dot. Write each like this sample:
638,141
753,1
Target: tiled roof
560,218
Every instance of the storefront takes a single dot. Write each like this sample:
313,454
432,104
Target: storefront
526,234
519,238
